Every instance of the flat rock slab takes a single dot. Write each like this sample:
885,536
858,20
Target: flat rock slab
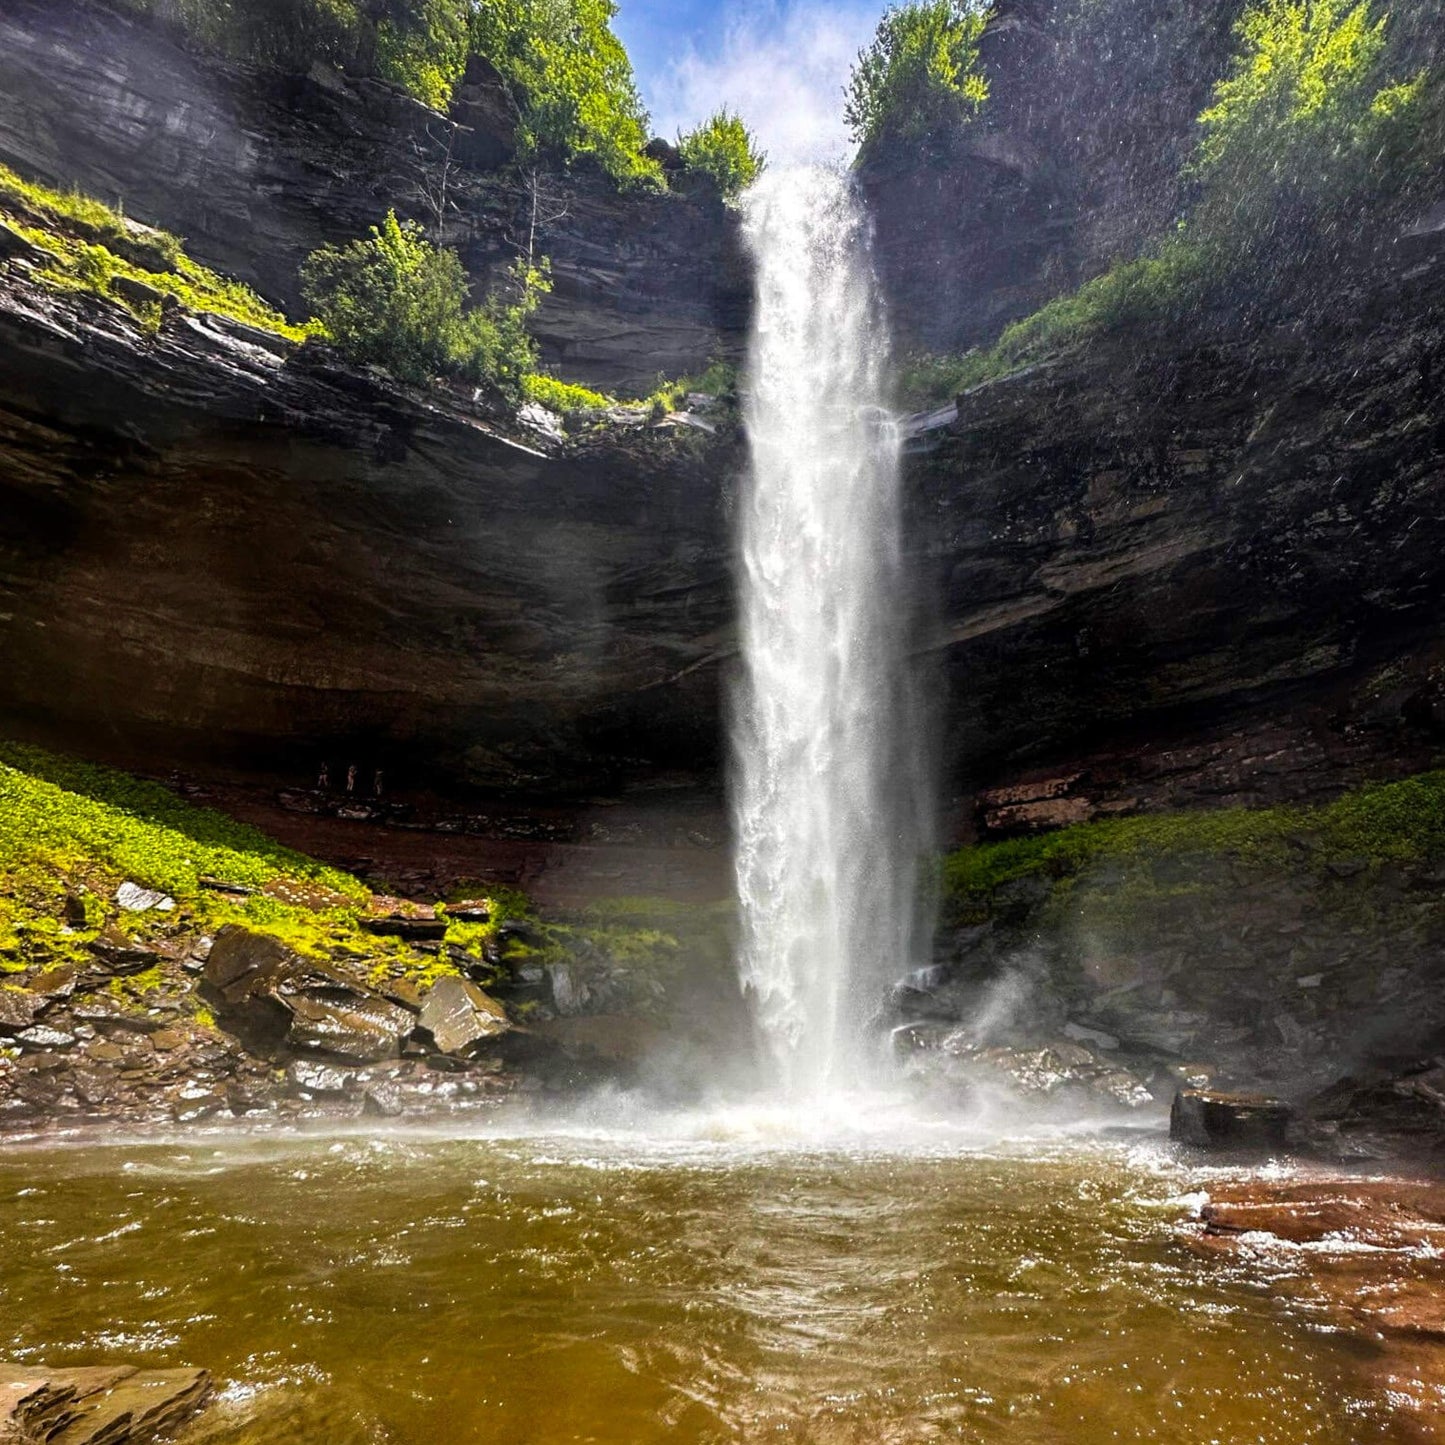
407,928
18,1008
1364,1257
135,899
99,1405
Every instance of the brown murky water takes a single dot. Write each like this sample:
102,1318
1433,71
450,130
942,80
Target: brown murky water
419,1288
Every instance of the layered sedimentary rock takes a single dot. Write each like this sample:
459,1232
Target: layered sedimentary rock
1073,164
256,170
210,546
1164,578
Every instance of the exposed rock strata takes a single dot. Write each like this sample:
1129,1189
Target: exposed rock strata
1196,577
96,1405
1359,1256
209,547
1074,163
255,171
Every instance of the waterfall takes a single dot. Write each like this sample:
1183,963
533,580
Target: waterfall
826,737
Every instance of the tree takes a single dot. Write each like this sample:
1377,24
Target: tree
571,80
394,299
1304,131
724,150
920,74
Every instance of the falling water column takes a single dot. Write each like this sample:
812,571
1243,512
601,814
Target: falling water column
825,735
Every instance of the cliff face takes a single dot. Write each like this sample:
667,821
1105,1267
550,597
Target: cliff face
1153,577
1203,575
208,550
1073,164
256,171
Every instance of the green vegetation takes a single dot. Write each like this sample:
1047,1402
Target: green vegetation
1308,136
89,247
398,301
1305,132
568,75
418,45
725,152
920,74
719,380
71,833
68,828
1400,822
563,396
571,81
1134,295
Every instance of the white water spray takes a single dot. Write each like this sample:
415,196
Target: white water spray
826,734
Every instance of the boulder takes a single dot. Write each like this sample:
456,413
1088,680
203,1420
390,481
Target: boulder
1210,1119
310,1077
18,1008
242,962
458,1015
121,954
364,1028
318,1009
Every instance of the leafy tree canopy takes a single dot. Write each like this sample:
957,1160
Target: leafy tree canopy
1305,126
572,80
395,299
723,149
920,74
570,76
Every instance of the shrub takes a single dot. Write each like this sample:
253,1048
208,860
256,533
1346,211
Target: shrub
920,75
572,81
563,396
723,150
1304,129
398,301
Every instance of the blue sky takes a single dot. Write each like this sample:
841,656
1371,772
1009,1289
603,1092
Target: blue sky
781,63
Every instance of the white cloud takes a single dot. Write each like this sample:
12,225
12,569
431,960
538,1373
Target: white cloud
781,66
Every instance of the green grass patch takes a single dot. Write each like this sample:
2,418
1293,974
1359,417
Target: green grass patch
1393,822
87,247
70,829
1144,293
563,396
67,813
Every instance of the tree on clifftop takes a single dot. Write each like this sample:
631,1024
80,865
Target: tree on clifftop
920,74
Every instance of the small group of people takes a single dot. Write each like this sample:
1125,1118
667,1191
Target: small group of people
323,780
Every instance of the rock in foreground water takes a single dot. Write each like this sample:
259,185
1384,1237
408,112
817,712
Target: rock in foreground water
1213,1120
98,1405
